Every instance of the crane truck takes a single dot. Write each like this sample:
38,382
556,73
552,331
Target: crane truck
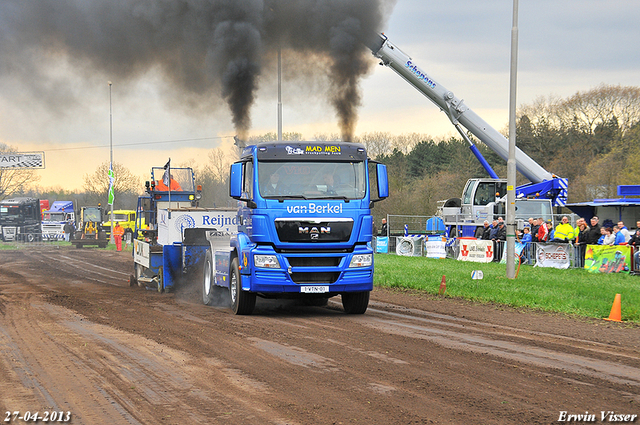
482,199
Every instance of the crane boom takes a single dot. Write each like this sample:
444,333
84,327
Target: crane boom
456,110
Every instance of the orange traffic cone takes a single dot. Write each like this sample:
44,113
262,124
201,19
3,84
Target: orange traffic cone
443,286
616,313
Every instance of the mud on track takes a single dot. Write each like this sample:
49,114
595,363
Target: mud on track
75,337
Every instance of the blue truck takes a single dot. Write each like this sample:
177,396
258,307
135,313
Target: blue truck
55,218
304,226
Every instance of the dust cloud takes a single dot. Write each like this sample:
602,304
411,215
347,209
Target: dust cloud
202,49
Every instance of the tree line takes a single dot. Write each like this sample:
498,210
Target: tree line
592,138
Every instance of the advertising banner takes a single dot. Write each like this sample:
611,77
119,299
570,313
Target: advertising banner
382,244
608,258
434,247
553,255
22,160
479,251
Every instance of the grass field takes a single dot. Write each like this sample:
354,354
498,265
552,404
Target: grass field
573,291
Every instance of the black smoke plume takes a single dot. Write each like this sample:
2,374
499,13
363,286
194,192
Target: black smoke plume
201,48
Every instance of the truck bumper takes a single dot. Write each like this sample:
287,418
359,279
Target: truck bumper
298,271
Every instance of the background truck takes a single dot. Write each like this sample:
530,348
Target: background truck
89,229
126,218
482,198
54,219
304,226
20,220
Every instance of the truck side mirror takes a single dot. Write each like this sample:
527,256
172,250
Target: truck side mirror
383,181
235,182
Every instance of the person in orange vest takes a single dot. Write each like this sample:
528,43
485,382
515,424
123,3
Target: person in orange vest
118,232
173,185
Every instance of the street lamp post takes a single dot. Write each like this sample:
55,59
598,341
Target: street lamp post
511,162
111,238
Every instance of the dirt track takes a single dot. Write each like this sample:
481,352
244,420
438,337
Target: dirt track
75,337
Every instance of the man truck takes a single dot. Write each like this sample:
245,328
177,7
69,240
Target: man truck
306,236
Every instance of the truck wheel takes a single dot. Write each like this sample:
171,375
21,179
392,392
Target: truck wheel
355,302
242,302
210,292
160,282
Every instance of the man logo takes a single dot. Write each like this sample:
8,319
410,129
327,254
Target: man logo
314,231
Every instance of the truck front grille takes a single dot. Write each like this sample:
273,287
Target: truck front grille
314,261
322,277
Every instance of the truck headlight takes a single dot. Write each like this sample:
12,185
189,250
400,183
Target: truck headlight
361,260
267,261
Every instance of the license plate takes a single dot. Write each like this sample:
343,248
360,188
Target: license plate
314,289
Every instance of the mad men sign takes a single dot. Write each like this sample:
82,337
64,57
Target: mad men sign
22,160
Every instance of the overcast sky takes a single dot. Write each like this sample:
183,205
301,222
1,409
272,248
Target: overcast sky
464,45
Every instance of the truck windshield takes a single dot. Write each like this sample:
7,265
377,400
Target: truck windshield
54,216
312,180
92,214
9,212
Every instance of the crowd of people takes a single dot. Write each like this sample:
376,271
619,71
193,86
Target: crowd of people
539,230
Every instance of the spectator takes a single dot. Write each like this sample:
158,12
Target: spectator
580,233
550,230
543,230
498,240
535,226
480,231
593,234
609,238
494,230
635,243
525,240
68,231
383,229
374,228
625,232
619,236
564,231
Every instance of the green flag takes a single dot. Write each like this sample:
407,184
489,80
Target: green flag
111,180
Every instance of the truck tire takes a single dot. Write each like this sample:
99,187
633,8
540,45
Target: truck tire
211,294
160,282
242,302
355,302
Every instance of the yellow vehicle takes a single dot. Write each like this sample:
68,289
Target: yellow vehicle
126,218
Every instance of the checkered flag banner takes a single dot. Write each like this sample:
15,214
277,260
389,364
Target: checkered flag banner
22,160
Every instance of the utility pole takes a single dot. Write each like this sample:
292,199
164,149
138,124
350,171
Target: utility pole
511,162
111,238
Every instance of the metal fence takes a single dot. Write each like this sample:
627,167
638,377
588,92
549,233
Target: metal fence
415,247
